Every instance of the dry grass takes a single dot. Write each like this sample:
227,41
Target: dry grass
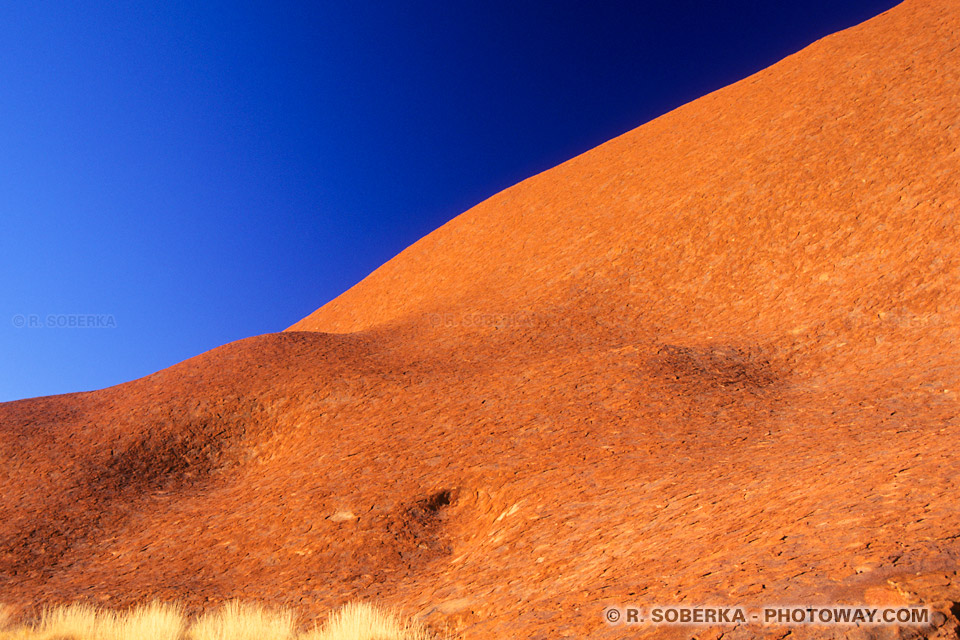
78,620
238,621
233,621
360,621
154,621
83,622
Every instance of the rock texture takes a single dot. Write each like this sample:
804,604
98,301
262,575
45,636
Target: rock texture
712,360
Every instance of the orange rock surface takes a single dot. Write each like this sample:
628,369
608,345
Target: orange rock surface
713,360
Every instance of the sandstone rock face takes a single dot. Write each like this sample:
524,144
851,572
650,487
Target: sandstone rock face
713,360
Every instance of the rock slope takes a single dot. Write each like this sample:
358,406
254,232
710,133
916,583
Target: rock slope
712,360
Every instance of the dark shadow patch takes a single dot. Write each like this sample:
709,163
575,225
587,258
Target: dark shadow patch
418,530
98,499
724,367
158,460
437,501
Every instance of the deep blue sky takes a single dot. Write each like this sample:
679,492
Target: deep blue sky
196,173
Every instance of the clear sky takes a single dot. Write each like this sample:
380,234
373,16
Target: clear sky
192,173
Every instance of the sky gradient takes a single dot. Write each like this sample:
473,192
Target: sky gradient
189,176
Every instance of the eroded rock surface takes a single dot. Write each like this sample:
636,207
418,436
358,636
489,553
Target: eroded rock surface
711,361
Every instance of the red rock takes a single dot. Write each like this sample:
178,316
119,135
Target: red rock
712,360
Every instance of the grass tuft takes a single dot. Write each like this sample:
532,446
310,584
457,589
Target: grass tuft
73,622
239,621
361,621
232,621
154,621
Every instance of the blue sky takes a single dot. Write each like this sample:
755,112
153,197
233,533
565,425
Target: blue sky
189,174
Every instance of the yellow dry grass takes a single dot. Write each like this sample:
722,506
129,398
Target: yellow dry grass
359,621
239,621
233,621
